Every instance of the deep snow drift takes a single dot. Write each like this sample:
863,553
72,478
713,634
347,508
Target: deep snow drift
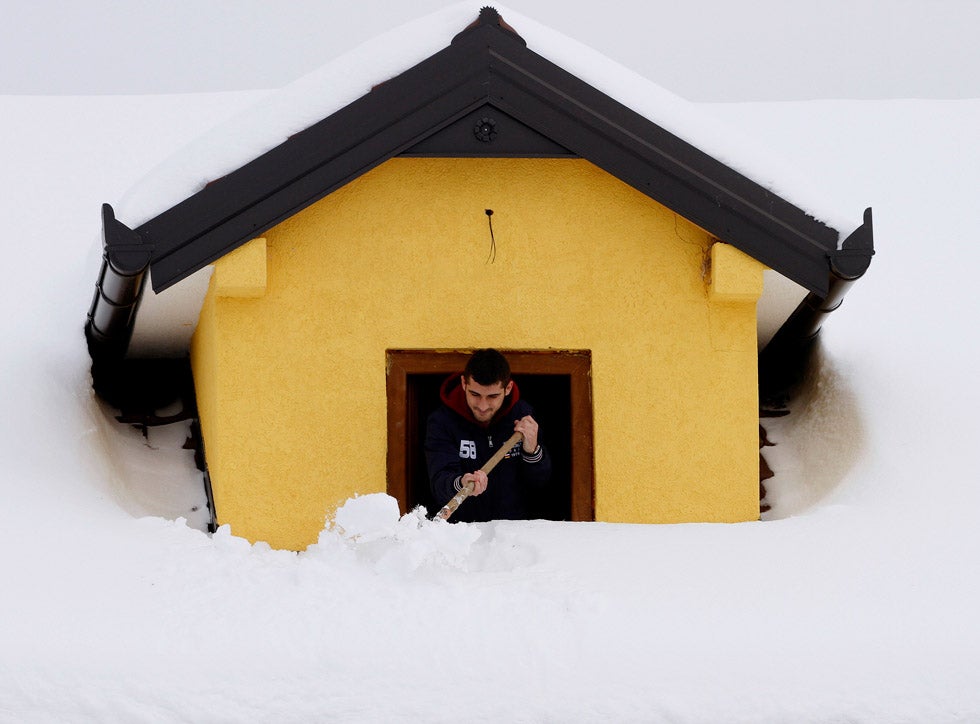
855,600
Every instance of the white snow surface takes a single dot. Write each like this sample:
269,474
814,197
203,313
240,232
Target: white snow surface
855,600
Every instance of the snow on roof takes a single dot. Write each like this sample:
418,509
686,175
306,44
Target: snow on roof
322,92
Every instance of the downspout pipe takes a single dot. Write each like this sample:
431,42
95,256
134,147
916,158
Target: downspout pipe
784,361
112,315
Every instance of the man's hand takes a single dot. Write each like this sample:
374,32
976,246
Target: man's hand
479,479
528,427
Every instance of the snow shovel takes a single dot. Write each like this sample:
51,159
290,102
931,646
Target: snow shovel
449,508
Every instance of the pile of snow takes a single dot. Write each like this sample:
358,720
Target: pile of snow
856,602
400,545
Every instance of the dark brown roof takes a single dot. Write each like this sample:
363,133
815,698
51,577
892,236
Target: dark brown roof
486,94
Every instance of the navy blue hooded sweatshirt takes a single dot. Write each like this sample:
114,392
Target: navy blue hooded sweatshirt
455,443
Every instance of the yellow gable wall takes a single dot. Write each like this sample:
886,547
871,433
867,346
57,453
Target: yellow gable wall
289,354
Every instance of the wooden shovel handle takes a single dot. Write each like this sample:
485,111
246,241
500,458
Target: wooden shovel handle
467,490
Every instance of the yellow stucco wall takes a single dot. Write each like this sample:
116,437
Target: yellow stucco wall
291,383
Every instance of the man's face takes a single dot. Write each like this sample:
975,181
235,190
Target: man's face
484,400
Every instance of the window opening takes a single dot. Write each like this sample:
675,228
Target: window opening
557,384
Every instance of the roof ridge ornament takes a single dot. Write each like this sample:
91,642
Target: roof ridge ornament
488,14
489,17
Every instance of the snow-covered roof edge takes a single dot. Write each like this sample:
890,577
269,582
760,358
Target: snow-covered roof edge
326,90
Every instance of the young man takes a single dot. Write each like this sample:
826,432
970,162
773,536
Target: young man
481,409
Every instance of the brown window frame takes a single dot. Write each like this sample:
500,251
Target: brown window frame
576,364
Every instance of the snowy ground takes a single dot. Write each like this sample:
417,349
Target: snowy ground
856,600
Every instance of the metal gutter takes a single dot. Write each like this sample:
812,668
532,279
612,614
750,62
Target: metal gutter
784,361
125,261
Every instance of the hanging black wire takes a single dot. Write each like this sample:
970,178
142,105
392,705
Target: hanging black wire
492,256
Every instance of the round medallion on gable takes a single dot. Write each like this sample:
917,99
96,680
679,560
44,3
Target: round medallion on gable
485,129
